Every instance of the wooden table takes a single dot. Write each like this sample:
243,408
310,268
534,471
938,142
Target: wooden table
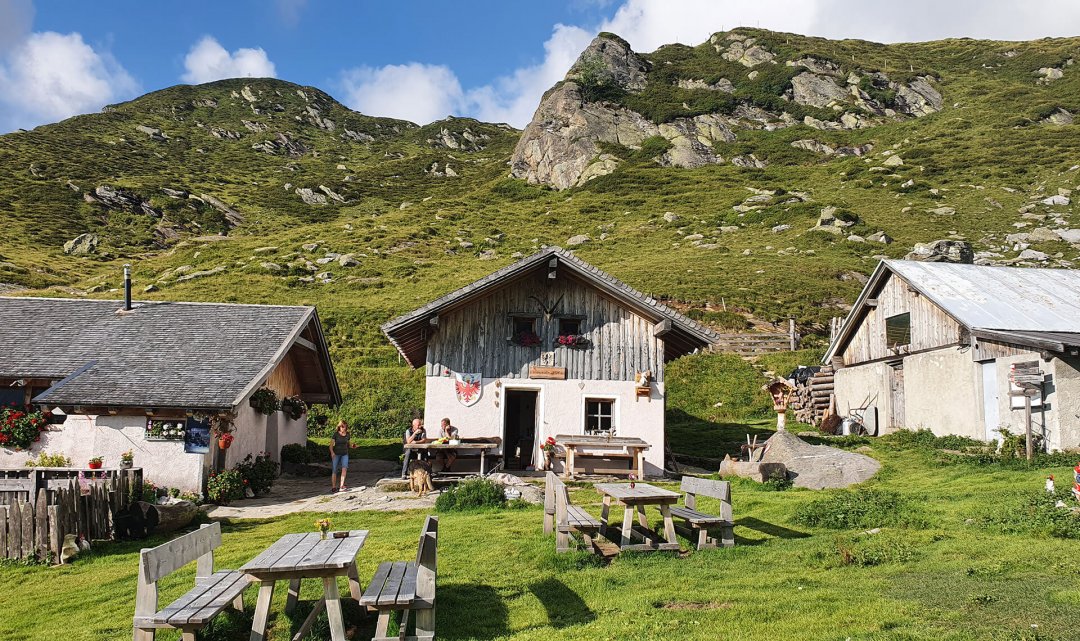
635,499
306,556
633,448
432,446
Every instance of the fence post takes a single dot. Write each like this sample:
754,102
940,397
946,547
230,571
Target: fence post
791,333
3,531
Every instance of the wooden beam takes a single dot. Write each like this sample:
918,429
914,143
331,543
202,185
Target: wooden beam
662,328
305,343
870,302
434,321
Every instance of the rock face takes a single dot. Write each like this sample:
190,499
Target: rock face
943,251
818,467
561,146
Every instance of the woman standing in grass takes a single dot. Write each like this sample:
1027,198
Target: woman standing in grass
339,456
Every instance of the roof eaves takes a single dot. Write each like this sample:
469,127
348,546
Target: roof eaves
276,358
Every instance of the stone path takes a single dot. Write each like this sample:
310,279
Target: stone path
292,494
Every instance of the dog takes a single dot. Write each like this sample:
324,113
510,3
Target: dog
420,477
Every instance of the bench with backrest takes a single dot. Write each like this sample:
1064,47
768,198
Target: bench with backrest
701,526
408,588
213,591
565,517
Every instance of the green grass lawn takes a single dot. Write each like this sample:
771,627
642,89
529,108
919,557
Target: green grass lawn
944,572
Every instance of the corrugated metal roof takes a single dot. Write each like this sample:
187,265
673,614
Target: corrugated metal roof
1004,298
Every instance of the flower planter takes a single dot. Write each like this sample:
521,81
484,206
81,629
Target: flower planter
126,465
224,443
94,465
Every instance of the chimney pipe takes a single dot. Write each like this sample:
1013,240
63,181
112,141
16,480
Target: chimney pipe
127,288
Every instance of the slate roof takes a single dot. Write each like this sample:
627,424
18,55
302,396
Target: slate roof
1024,305
407,335
159,354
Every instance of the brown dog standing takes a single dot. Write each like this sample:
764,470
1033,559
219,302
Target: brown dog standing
420,477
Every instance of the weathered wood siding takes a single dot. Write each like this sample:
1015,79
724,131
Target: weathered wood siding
284,380
988,350
930,326
475,338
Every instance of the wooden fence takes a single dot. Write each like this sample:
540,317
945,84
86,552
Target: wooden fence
22,484
756,343
35,528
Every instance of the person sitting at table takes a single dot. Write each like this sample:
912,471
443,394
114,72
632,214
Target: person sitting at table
450,432
416,434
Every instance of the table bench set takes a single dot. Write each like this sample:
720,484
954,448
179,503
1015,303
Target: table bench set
566,519
408,587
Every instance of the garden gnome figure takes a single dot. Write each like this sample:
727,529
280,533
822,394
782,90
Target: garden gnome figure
780,390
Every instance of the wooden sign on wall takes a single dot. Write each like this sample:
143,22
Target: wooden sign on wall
551,373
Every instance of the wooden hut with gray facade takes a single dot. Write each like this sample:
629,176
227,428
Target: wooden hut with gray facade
952,347
547,346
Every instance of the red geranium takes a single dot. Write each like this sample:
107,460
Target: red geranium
19,428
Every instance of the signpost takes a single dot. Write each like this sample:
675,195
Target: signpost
1029,378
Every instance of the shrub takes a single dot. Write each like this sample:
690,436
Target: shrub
928,440
777,482
265,401
223,487
149,492
471,494
258,473
49,460
296,454
877,549
1036,512
21,427
861,508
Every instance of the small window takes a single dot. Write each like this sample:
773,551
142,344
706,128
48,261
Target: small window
12,396
599,416
569,327
898,330
523,324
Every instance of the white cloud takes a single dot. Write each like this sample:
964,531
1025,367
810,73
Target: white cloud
417,92
208,61
49,76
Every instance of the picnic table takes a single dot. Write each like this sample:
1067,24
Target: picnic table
482,446
635,499
306,556
619,446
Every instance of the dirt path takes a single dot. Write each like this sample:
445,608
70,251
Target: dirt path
292,494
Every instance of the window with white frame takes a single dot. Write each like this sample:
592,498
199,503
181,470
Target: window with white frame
599,416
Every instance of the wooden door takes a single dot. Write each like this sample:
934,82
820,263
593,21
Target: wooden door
896,396
991,413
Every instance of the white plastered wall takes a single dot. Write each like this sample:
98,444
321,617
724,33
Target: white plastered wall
560,410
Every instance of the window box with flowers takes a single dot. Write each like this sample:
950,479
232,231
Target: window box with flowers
574,341
165,430
21,427
523,331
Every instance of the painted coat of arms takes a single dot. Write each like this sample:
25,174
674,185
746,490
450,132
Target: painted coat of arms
468,387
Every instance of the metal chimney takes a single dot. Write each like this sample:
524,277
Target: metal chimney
127,288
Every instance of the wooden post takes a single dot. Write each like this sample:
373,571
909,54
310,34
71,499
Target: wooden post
1027,422
791,334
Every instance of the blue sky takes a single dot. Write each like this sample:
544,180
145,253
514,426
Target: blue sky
419,60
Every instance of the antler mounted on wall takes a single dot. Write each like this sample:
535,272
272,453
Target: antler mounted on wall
547,310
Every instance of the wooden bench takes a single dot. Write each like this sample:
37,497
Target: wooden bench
702,526
564,517
407,587
213,591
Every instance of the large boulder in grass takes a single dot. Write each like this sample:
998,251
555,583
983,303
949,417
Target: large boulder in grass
818,467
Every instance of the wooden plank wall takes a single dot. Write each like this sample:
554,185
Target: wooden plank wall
36,529
284,380
930,326
988,350
475,338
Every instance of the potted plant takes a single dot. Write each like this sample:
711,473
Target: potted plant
222,426
265,401
127,460
324,526
294,407
574,341
95,463
549,452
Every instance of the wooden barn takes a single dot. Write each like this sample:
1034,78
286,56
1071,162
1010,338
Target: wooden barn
952,347
149,377
547,346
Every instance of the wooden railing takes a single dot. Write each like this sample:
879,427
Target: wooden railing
44,507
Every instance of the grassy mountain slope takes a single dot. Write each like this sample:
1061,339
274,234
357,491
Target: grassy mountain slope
415,233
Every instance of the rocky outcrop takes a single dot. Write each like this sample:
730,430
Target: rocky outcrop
741,49
611,56
817,91
829,150
943,251
82,245
121,199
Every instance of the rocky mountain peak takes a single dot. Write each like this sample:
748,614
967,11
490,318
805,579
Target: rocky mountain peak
609,57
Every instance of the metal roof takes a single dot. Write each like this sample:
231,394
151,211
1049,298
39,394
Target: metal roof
1016,304
1008,298
408,332
158,354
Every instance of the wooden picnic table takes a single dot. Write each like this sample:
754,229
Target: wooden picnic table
579,445
635,499
482,447
306,556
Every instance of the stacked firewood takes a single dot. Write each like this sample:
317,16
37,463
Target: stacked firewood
812,399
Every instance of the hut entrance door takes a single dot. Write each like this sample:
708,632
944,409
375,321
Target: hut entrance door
991,414
896,395
519,428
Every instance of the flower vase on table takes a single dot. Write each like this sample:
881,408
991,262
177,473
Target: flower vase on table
324,527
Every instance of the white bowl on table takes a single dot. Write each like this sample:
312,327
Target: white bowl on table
455,441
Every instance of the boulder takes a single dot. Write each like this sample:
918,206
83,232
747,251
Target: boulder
918,98
347,260
82,245
943,251
818,466
1056,200
671,217
1033,255
880,237
1069,235
1060,117
574,241
153,132
529,492
941,211
817,91
310,197
893,161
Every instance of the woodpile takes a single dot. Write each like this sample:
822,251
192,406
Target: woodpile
811,399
